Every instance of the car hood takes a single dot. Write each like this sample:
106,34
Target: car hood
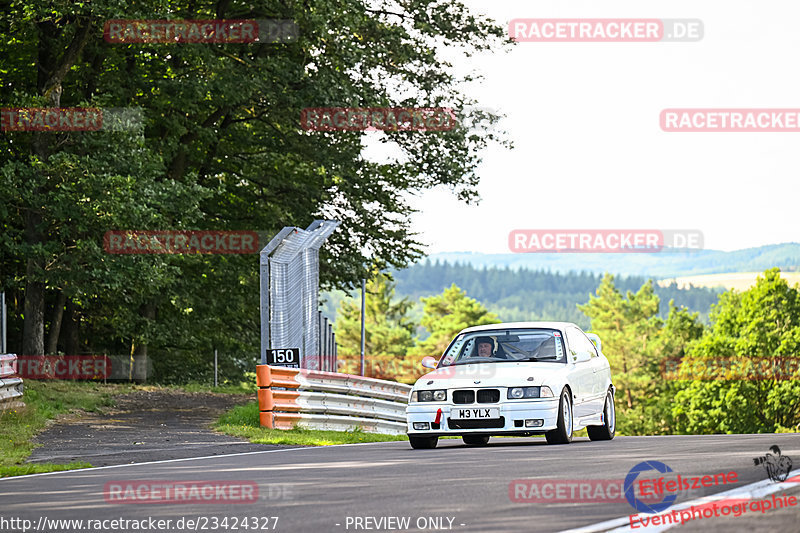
491,375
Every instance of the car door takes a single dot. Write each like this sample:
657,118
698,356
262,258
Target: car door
581,374
600,371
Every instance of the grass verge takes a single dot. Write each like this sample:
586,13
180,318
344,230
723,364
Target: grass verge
44,400
242,421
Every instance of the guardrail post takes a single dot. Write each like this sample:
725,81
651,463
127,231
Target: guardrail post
3,323
265,403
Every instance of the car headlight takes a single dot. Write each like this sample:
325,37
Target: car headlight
428,396
519,393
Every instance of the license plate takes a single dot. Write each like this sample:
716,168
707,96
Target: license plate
459,413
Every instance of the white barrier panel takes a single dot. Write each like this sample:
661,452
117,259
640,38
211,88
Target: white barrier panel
11,388
347,423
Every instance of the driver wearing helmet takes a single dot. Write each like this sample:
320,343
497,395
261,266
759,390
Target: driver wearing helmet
483,347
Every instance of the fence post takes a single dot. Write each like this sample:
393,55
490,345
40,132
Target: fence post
2,322
363,320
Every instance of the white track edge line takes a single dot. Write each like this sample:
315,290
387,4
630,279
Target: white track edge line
94,468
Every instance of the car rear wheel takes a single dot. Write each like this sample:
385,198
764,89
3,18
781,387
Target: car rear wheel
423,443
607,430
475,440
563,432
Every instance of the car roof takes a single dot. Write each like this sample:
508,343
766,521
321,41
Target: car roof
519,325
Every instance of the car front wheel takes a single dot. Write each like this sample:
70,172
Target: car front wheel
423,443
563,432
607,430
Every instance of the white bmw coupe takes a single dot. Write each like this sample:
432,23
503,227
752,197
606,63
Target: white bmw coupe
520,378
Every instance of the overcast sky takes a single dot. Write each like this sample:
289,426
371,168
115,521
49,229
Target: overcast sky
589,150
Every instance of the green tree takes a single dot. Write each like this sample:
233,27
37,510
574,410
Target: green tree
680,329
628,327
220,147
761,322
388,330
446,314
636,342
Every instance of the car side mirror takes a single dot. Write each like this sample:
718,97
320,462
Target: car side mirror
429,362
581,357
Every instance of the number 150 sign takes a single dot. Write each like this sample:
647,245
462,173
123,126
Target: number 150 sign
284,357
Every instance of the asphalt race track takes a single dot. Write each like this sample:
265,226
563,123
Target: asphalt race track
358,487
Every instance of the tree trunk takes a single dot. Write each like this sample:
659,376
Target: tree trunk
139,359
71,330
33,328
52,66
55,323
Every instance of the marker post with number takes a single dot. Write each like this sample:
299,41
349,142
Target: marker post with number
288,357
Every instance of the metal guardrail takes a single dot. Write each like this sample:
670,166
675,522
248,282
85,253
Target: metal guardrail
289,397
11,386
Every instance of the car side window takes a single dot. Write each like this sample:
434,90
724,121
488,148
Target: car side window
579,342
572,341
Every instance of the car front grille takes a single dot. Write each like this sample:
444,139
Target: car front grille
485,423
463,396
488,396
484,396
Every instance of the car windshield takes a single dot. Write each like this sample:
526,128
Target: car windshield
504,346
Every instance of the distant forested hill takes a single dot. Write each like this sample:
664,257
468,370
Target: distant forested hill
786,256
517,295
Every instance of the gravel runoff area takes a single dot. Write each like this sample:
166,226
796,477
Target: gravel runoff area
144,426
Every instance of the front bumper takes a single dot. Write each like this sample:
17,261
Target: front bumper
511,413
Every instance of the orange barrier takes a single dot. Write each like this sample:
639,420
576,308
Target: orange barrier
284,399
276,376
278,420
288,397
